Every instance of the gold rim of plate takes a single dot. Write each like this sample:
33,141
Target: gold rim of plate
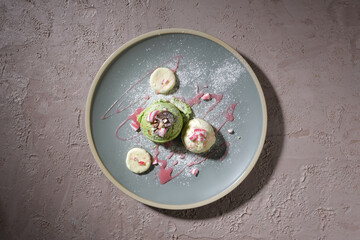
89,106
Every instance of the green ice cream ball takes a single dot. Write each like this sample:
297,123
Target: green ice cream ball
171,132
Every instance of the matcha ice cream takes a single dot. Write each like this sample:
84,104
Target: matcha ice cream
184,109
161,121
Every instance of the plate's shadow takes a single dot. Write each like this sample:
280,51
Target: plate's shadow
263,169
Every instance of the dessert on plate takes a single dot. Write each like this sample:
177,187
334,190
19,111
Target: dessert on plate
138,160
162,120
162,80
198,136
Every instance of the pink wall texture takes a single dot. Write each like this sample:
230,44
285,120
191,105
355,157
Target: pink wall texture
306,183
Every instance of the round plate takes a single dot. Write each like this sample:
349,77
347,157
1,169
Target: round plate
205,61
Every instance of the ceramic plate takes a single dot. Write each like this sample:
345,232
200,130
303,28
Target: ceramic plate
202,61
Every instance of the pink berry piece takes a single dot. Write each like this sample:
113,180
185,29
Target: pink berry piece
135,125
161,132
151,116
193,137
194,172
200,131
199,135
206,96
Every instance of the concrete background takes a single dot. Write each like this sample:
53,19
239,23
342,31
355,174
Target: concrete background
306,183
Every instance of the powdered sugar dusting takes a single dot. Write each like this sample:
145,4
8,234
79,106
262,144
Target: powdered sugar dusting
226,75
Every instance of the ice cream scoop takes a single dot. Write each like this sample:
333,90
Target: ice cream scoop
161,121
198,136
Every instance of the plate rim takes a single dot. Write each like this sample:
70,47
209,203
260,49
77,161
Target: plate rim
89,103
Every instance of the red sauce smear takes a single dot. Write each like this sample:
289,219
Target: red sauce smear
164,173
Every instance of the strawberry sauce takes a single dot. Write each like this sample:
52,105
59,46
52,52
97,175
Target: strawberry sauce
131,117
165,173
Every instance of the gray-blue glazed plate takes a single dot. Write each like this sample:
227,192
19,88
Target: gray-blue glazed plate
205,61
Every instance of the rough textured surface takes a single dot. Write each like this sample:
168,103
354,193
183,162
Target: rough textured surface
306,183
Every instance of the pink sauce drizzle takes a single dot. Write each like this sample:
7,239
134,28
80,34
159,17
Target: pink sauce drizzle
205,86
129,105
229,115
217,98
165,172
197,99
174,69
170,155
132,117
117,101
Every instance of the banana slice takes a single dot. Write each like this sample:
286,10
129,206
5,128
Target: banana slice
138,160
162,80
